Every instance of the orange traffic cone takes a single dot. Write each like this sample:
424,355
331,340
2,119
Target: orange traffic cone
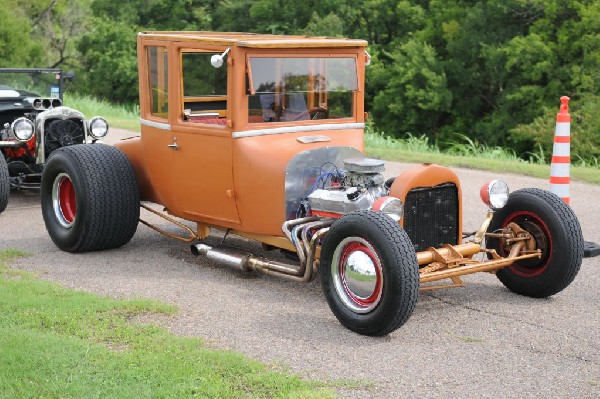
560,174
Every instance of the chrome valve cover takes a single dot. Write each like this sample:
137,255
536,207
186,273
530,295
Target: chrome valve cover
340,201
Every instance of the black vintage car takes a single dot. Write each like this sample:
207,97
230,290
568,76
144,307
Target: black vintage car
34,123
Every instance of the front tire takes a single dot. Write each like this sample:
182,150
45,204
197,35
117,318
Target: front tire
4,183
556,231
369,273
90,199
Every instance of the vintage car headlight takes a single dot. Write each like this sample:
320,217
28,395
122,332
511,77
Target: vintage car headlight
391,206
98,127
494,193
22,128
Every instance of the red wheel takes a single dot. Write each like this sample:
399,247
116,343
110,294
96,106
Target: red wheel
64,201
538,229
90,199
357,274
369,273
556,233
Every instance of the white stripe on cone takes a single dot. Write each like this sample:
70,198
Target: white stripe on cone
561,150
563,129
560,170
562,190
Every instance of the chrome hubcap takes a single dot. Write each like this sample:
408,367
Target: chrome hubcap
63,200
357,274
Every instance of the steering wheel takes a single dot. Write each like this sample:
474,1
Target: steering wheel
314,112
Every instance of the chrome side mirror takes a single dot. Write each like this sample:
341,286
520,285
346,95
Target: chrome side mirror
217,60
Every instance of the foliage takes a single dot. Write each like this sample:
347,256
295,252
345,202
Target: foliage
416,92
109,59
17,49
492,70
331,25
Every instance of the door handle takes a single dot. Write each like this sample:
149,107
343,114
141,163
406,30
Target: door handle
173,146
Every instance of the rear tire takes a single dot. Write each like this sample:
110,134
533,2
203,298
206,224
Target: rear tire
557,233
369,273
90,198
4,183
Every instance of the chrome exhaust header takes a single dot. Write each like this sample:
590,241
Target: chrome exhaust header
297,231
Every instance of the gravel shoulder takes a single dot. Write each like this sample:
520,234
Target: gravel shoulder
479,341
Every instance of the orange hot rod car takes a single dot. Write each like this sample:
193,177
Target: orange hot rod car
262,136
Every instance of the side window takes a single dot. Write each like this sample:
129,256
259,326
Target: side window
204,89
158,81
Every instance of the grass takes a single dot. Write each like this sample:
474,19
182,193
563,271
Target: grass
464,152
60,343
468,154
118,116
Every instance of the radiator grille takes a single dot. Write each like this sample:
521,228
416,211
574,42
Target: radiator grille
63,132
431,216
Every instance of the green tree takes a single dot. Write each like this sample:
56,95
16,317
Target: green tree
109,60
156,14
502,64
416,94
330,25
17,48
58,25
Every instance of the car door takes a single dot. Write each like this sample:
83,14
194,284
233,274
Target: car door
202,161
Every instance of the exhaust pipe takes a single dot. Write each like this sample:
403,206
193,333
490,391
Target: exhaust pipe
244,261
228,256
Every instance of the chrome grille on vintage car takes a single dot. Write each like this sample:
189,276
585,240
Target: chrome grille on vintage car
431,216
62,133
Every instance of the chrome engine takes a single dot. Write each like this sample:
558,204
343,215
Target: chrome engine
354,188
333,181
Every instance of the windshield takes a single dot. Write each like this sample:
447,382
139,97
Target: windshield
15,83
301,88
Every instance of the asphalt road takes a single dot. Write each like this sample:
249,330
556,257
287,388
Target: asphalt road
480,341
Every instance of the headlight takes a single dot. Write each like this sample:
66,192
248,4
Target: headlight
391,206
494,193
22,128
98,127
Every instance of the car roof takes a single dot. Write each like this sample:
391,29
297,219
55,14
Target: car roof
254,40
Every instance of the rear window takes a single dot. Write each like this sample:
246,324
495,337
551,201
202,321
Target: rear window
158,80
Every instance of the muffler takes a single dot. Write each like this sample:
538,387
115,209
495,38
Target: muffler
227,256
